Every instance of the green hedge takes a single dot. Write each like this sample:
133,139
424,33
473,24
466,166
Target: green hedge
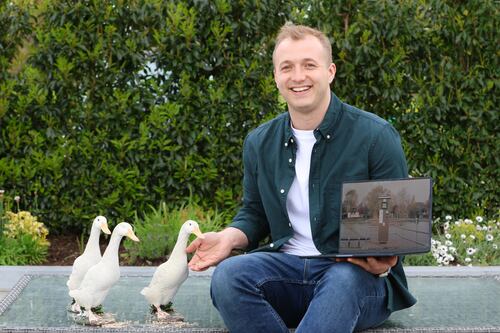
432,68
107,107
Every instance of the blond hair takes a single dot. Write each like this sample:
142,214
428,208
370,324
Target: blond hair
298,32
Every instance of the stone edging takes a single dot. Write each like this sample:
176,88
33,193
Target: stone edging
14,293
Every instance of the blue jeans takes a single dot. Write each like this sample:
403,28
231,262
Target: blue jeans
269,292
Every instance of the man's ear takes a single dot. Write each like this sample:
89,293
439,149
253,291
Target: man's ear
332,69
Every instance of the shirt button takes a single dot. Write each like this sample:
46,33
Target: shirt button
328,136
286,144
290,225
290,160
271,245
282,191
291,140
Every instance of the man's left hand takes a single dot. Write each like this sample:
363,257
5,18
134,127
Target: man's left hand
374,265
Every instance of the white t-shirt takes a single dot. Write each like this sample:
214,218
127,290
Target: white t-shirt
297,203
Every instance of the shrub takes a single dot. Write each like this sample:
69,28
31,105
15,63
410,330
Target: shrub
23,223
108,109
115,107
462,242
24,240
24,249
430,67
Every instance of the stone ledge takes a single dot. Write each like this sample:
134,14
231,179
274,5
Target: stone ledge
13,274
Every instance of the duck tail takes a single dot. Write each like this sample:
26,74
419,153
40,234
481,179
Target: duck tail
71,283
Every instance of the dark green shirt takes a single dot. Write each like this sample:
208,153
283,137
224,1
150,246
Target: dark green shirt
351,144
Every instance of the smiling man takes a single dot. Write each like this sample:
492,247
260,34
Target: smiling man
294,166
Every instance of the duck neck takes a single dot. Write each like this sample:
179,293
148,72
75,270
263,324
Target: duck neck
111,253
93,242
179,250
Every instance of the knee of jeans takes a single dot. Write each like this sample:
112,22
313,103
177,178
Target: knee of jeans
347,275
223,282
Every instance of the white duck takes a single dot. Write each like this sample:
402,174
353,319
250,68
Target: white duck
102,276
90,256
169,276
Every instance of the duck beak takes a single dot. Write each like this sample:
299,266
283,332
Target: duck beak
132,236
198,233
104,228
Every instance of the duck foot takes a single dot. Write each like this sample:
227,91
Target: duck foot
102,320
94,319
168,317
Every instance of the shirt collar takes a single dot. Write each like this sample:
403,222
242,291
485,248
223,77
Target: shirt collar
327,126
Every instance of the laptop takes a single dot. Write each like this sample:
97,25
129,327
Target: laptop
385,218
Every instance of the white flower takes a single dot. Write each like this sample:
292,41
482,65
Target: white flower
471,251
446,226
452,249
468,221
463,236
479,228
448,243
448,236
489,237
17,198
495,246
448,217
485,228
479,219
458,222
468,259
472,236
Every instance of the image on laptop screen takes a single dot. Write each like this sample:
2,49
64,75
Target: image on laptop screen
386,217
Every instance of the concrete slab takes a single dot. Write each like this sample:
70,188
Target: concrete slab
9,275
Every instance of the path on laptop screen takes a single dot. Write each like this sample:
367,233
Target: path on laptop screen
365,235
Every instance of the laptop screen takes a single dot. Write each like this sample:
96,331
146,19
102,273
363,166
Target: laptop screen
386,217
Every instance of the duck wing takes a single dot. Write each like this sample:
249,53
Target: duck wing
80,267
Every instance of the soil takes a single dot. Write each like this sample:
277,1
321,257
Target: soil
64,249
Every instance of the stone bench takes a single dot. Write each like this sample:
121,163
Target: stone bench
450,299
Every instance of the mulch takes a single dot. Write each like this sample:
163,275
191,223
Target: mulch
64,249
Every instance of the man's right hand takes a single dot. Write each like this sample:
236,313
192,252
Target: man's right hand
215,247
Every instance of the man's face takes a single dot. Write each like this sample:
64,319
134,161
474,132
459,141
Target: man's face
303,74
